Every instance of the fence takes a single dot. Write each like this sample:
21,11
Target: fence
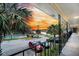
52,51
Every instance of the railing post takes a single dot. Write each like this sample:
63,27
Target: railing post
60,43
0,49
67,29
23,53
45,52
0,44
35,53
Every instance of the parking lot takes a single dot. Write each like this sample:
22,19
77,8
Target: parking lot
13,46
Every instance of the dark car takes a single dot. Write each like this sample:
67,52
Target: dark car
55,39
50,40
45,44
36,46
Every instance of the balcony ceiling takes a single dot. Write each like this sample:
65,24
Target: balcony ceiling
47,8
72,11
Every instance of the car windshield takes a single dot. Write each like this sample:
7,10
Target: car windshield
47,44
33,42
36,43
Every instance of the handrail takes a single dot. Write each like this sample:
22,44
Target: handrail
19,52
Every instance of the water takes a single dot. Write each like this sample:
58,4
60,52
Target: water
14,36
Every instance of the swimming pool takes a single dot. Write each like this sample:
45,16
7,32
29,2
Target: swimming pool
14,36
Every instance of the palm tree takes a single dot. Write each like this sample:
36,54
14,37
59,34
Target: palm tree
12,19
53,29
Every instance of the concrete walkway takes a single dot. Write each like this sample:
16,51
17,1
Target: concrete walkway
72,46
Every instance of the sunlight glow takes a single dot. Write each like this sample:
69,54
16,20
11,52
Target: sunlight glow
41,19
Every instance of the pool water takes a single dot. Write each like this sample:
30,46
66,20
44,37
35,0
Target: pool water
14,36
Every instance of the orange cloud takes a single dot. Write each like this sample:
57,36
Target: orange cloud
41,19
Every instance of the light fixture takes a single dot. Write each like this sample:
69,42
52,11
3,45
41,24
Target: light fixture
76,17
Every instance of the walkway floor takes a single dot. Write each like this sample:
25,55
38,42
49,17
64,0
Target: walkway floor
72,46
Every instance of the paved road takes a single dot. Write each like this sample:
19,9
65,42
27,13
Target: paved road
27,53
13,46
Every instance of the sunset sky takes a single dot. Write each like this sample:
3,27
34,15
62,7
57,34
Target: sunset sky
39,18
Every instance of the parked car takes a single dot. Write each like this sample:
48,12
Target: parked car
36,46
35,36
50,40
45,44
55,39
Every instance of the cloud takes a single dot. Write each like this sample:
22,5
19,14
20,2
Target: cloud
38,18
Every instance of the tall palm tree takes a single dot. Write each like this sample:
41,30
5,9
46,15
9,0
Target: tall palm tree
12,20
53,29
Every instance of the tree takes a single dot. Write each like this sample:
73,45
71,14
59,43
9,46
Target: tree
12,19
53,29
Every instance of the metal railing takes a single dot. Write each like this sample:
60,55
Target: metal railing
45,52
52,51
23,52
